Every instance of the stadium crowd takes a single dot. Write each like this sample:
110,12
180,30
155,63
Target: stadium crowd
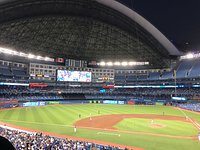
53,93
192,106
38,141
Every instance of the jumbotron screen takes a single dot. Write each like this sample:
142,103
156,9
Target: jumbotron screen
74,76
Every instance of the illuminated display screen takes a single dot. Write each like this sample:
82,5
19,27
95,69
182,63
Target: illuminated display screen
74,76
29,104
113,102
109,102
121,102
102,90
179,98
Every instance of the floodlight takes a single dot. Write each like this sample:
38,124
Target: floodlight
38,57
132,63
124,63
190,56
110,64
46,58
12,52
8,51
102,63
22,54
117,63
31,56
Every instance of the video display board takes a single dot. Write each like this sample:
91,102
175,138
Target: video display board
179,98
30,104
113,102
74,76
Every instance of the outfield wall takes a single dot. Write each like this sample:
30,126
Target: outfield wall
141,101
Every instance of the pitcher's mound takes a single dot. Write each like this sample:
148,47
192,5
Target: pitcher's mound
156,125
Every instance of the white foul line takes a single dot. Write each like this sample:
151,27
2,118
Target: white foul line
194,123
107,133
39,123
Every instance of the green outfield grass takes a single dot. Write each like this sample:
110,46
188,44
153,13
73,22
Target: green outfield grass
60,118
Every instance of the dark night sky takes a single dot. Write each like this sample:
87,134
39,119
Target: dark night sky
178,20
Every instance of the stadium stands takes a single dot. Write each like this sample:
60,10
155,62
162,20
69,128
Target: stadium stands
117,53
195,70
183,69
60,93
5,71
131,77
142,77
192,106
167,75
154,75
17,72
186,70
22,140
13,73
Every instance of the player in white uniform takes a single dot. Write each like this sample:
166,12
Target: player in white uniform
199,136
74,129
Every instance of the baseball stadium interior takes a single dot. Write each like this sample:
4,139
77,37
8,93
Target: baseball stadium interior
87,52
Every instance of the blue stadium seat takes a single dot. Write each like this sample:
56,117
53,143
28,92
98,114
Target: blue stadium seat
184,68
142,77
5,71
131,77
154,75
195,70
19,72
167,75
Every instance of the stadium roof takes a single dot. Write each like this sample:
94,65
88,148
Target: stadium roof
82,29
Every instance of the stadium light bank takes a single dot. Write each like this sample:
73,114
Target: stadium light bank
190,56
21,54
124,64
